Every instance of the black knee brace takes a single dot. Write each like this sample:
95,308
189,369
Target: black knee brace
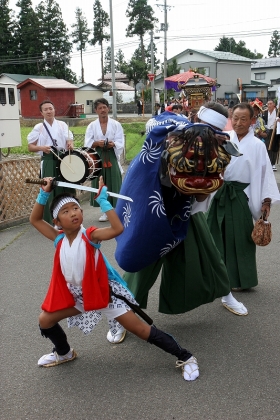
57,337
167,343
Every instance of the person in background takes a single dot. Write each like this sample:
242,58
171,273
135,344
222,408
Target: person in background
140,106
107,137
248,192
258,124
270,118
50,135
157,109
228,126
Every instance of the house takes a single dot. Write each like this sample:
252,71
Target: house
125,93
86,94
267,70
18,78
226,67
34,91
119,77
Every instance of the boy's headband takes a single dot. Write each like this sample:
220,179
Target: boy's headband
61,203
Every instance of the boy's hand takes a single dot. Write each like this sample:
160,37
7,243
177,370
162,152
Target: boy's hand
48,187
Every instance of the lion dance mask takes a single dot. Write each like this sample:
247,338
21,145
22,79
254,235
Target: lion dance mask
195,158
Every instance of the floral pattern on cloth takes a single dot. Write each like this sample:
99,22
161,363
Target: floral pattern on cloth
87,321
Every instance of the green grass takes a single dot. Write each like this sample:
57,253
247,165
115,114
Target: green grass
134,139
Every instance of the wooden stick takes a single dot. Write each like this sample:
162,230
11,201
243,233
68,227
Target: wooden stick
63,161
69,148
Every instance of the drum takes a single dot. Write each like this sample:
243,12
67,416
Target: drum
79,165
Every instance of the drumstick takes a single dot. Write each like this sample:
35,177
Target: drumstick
63,161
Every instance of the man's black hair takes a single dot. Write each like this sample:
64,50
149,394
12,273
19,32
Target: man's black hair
100,101
46,101
244,105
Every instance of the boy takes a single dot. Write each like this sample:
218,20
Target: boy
82,278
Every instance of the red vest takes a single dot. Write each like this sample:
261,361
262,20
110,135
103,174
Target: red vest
95,284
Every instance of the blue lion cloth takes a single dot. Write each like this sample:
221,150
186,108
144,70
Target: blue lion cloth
157,219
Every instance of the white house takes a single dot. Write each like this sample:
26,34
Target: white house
232,72
267,70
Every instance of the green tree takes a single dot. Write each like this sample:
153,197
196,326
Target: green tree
30,47
7,44
172,68
120,62
274,47
141,20
80,36
136,69
57,47
100,23
230,45
108,61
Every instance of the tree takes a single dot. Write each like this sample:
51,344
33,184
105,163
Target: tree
172,68
119,61
100,23
57,47
274,47
7,44
141,21
230,45
108,61
30,47
80,36
136,69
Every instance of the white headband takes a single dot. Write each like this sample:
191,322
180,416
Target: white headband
212,117
61,203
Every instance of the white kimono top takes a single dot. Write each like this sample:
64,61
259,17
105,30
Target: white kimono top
253,168
59,131
114,133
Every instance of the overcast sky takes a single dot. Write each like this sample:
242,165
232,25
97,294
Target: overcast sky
197,24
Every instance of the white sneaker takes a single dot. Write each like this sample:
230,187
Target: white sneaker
103,218
274,168
53,359
190,369
118,337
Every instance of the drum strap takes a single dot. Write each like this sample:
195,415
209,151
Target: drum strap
53,141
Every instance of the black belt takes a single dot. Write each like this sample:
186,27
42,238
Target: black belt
135,308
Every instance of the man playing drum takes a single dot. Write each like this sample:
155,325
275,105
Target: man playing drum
107,137
47,139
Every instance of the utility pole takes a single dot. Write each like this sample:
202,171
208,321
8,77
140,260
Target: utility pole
114,105
152,71
164,28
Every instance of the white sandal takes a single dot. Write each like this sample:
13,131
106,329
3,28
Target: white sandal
190,369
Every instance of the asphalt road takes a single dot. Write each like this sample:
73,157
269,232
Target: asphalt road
238,356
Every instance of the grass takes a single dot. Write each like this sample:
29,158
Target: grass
134,139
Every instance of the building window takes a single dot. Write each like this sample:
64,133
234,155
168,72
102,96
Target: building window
251,95
275,81
3,99
259,76
11,94
89,102
204,70
33,95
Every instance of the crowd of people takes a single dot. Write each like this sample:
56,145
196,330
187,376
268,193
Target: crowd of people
214,253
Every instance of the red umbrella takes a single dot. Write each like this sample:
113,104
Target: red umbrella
189,78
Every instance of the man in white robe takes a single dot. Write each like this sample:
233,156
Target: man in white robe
248,191
107,137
